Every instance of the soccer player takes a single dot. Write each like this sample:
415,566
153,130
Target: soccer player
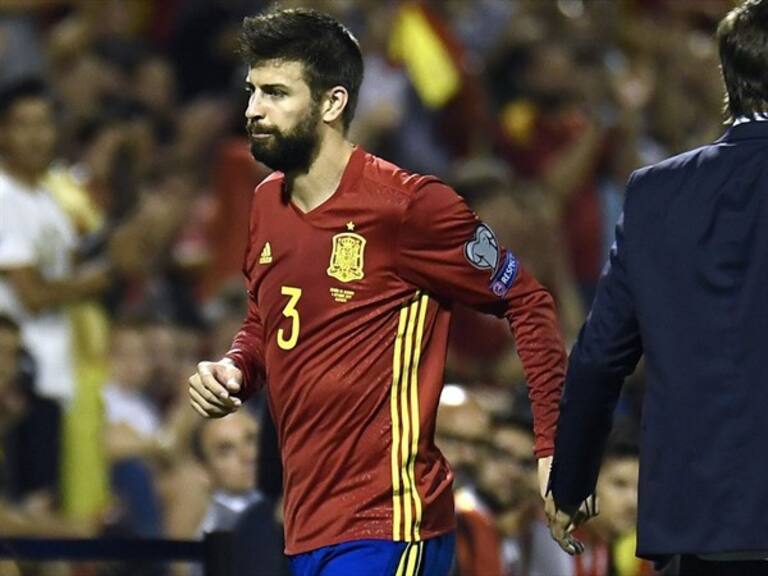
352,267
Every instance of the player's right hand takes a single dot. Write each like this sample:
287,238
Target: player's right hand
211,389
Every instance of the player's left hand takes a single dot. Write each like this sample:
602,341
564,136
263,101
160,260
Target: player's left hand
562,523
561,526
588,509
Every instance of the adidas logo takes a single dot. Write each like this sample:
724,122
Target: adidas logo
266,254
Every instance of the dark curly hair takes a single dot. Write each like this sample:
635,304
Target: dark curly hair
328,51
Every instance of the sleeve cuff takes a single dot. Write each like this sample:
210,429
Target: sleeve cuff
248,378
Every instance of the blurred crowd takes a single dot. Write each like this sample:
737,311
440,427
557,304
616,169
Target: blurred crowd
123,119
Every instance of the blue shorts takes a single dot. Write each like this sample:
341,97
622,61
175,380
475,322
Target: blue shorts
432,557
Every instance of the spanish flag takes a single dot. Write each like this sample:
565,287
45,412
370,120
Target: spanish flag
423,45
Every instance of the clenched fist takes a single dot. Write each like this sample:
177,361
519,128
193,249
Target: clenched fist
212,389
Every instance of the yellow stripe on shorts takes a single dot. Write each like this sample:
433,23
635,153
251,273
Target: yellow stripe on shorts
411,559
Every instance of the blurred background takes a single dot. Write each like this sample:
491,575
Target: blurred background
536,111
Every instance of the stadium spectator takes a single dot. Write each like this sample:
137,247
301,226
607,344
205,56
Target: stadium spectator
31,435
134,421
28,472
133,431
227,448
162,336
546,133
144,442
464,429
38,242
155,88
500,527
10,368
511,487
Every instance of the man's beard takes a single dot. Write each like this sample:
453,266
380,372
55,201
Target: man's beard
292,152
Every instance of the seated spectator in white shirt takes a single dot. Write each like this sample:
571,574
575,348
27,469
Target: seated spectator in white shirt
133,421
138,445
37,242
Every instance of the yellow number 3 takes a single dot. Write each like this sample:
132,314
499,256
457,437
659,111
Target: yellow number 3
290,312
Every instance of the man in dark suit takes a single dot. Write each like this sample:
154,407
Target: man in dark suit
687,287
227,448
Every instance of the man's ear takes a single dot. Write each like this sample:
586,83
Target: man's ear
335,103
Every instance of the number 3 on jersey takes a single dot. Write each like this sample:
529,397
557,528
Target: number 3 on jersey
291,312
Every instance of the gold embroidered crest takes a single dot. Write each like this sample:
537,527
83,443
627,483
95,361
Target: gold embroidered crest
347,257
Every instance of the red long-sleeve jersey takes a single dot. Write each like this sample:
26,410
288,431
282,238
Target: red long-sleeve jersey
348,326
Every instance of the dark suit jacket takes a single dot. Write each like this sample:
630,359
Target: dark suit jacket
687,287
259,542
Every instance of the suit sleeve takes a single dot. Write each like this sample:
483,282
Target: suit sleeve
607,350
444,249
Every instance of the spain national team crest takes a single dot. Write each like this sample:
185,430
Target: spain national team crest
347,257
